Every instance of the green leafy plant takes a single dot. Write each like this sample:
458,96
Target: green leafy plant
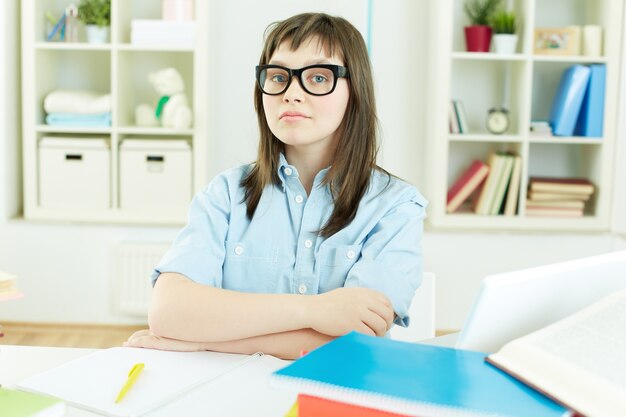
479,11
95,12
503,22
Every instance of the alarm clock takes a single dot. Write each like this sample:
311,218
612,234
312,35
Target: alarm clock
498,120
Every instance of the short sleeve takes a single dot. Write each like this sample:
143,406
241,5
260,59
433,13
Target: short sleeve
198,250
391,256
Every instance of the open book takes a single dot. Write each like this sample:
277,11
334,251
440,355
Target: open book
579,361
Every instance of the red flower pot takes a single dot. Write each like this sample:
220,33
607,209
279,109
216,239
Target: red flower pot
477,38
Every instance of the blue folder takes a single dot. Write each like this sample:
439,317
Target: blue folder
568,100
412,379
591,117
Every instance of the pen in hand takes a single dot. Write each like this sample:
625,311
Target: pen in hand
132,377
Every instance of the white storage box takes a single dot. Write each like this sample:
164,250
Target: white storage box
155,175
74,173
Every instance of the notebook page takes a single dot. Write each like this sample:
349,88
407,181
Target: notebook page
92,382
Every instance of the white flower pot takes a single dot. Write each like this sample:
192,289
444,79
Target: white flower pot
504,43
97,34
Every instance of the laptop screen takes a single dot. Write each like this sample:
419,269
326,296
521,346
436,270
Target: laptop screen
512,304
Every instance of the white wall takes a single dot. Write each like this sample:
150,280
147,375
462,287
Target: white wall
65,269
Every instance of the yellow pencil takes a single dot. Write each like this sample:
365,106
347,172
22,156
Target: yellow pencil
132,377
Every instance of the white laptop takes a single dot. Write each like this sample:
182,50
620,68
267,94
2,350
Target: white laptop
512,304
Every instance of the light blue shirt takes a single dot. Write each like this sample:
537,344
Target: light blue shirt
279,251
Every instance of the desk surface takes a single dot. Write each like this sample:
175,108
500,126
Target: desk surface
252,397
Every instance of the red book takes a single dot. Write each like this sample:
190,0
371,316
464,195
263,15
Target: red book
466,184
309,406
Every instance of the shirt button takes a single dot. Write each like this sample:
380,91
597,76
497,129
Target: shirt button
299,199
238,250
302,289
308,243
350,254
288,171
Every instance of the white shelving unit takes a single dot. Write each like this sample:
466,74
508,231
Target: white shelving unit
477,80
118,68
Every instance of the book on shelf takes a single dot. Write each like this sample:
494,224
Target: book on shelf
561,185
461,117
567,204
512,194
411,379
568,100
15,403
579,361
591,117
554,212
8,289
504,178
466,184
452,119
548,196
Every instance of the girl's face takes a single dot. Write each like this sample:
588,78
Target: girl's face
301,120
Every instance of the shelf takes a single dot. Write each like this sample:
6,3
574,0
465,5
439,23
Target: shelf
525,83
571,58
484,137
154,48
136,130
122,70
557,140
488,56
72,129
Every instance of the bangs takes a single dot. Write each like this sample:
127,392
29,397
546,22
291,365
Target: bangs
309,28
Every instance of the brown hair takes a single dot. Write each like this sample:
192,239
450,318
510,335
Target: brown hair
355,156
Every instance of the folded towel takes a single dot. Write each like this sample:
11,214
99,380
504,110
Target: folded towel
77,101
79,120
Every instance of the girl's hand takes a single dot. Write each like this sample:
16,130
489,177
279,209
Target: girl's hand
146,339
342,310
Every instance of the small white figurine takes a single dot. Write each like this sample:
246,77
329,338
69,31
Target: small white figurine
172,109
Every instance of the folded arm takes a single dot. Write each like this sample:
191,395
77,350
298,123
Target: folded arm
210,318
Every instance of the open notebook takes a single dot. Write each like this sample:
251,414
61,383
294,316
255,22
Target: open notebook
93,381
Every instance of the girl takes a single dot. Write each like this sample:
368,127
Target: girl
311,241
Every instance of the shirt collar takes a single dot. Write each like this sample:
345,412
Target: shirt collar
289,171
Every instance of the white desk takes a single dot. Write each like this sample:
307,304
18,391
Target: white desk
253,396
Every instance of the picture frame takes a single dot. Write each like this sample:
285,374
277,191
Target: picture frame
557,41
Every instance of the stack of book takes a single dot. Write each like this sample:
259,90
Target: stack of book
558,197
153,32
8,290
578,105
457,118
540,128
366,376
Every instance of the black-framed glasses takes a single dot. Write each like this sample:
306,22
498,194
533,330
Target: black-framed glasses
317,80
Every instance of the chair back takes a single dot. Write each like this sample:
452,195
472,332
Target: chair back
421,312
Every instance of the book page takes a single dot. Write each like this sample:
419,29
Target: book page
580,360
596,343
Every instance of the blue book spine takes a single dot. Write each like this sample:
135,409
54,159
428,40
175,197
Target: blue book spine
568,100
591,118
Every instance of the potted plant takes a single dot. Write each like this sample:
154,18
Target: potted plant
478,33
96,15
504,27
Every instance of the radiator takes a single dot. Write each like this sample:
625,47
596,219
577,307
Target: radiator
131,282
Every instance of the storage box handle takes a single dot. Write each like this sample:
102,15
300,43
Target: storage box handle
73,157
155,158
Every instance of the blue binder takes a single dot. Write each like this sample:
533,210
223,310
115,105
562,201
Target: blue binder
591,117
568,100
412,379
